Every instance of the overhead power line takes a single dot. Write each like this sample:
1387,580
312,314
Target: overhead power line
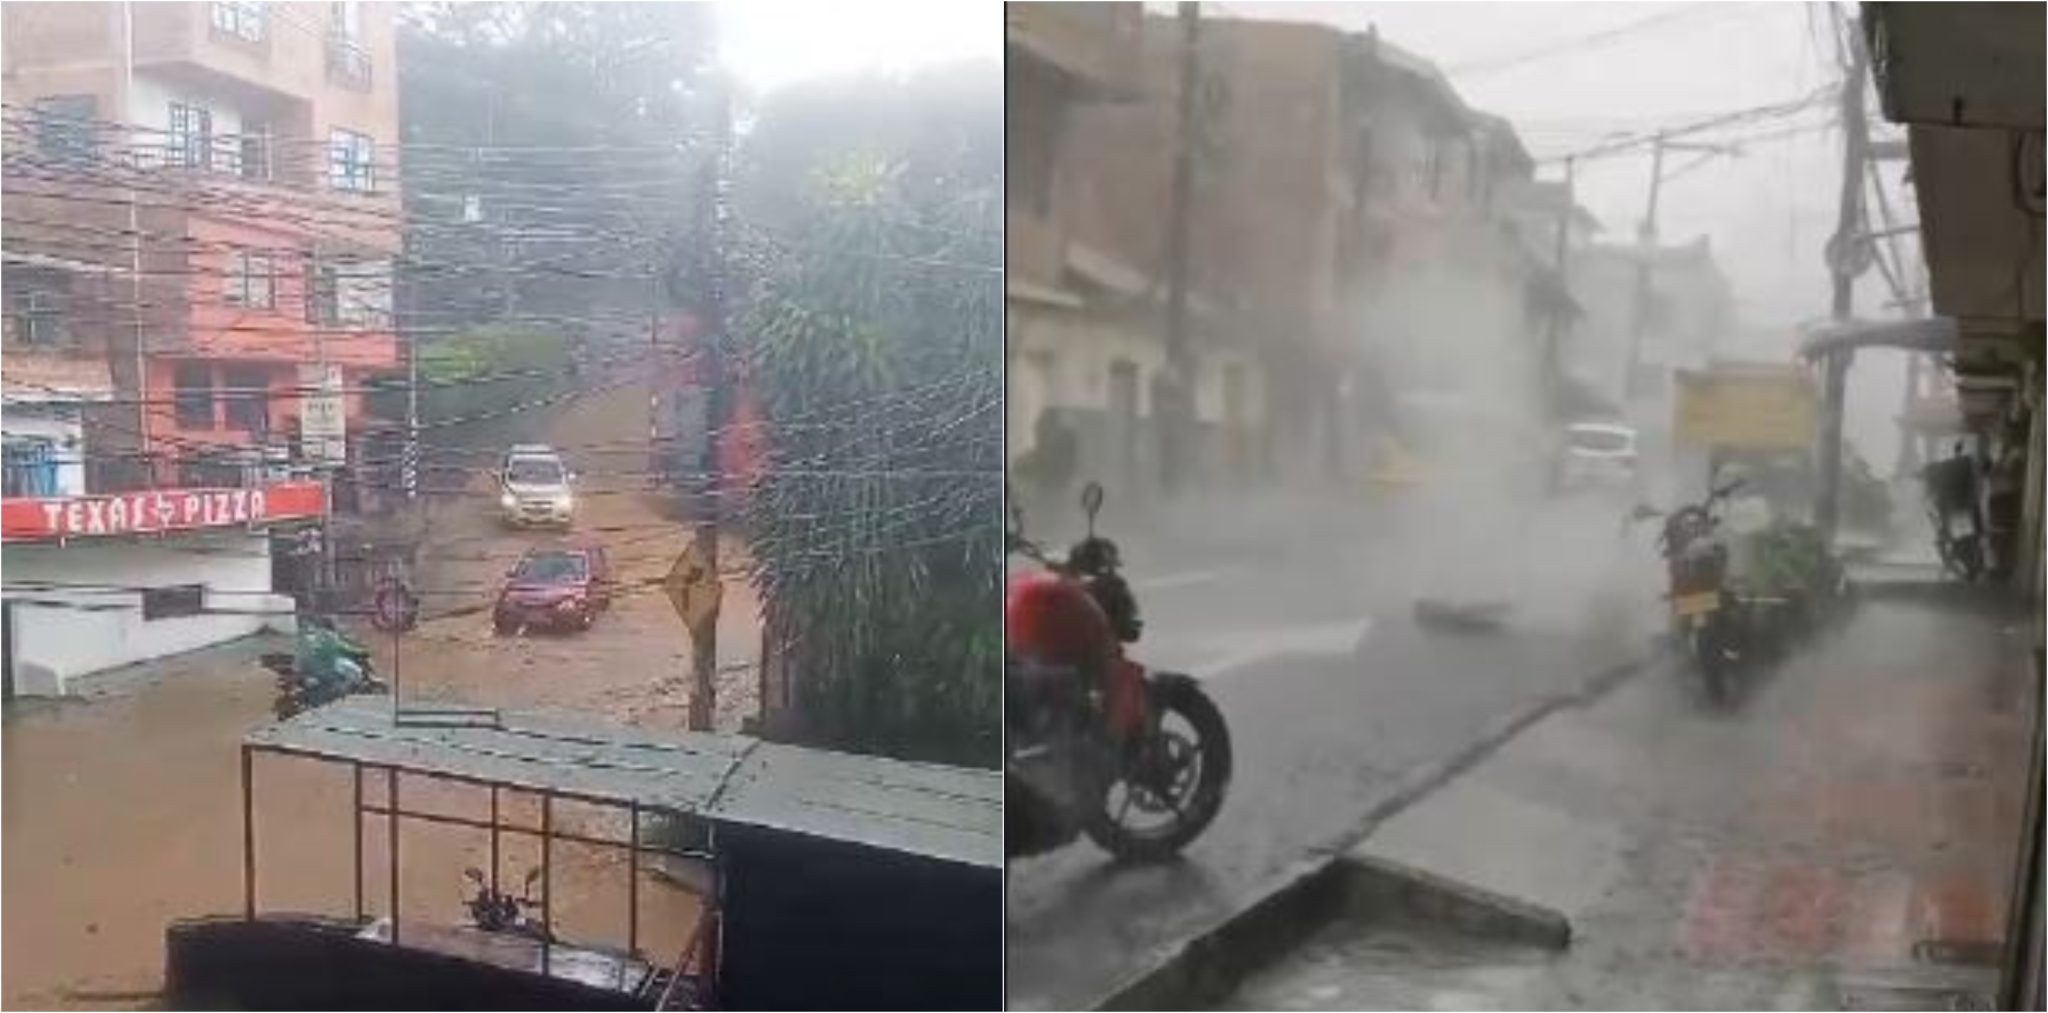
1582,43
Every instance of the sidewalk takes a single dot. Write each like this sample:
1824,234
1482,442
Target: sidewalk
1843,839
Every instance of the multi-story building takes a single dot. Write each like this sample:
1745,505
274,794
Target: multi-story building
1069,332
200,231
235,162
1352,229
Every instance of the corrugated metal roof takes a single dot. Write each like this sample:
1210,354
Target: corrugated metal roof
946,813
925,809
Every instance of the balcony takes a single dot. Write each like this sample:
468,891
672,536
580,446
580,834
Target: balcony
250,50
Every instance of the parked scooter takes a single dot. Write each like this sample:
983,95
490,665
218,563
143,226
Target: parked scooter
1717,627
493,911
1956,513
1790,584
1096,743
326,666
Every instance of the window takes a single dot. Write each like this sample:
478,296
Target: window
29,467
552,568
251,281
35,315
242,19
348,61
348,20
173,602
350,155
64,125
246,400
191,141
349,292
255,151
193,397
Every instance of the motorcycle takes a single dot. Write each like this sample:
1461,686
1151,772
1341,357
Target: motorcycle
1716,626
493,911
1097,744
326,666
1956,515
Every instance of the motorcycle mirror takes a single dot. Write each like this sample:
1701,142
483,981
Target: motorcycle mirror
474,875
1016,509
532,876
1643,512
1091,501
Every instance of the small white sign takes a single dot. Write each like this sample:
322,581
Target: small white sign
323,415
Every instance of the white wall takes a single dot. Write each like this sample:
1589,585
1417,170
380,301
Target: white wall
55,643
1082,352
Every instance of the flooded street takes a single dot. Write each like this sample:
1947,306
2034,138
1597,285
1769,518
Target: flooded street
123,812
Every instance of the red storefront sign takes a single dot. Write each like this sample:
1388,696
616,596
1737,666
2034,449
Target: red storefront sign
155,512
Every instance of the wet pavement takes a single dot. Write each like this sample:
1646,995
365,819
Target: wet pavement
1843,838
1335,699
123,812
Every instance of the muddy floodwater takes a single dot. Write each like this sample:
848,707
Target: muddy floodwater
124,812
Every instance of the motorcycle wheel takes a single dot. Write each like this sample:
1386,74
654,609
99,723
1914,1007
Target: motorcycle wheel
1710,656
1969,559
1192,746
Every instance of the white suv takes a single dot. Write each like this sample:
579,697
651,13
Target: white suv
534,488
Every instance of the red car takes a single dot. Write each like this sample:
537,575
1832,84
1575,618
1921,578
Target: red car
561,587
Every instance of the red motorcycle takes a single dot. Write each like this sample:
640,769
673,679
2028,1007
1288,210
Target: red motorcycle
1096,743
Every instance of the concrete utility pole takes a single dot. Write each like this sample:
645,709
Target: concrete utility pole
1553,337
1174,409
1843,264
1646,237
1646,247
717,416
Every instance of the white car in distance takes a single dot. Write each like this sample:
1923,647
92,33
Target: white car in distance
1597,454
534,488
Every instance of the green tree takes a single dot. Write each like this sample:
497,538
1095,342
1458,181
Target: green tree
490,371
873,339
549,152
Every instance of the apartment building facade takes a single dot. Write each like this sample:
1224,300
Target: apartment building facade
236,162
201,228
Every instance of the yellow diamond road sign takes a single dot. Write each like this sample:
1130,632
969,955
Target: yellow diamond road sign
693,588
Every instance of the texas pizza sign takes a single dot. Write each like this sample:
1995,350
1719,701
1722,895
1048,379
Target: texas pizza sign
157,511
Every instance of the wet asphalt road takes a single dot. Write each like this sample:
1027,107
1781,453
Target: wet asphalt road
1333,694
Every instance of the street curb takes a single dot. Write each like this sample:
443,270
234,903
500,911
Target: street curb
1202,970
1377,884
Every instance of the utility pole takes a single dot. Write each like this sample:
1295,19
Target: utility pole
1843,264
712,208
1174,408
1646,247
1647,238
1553,337
145,452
